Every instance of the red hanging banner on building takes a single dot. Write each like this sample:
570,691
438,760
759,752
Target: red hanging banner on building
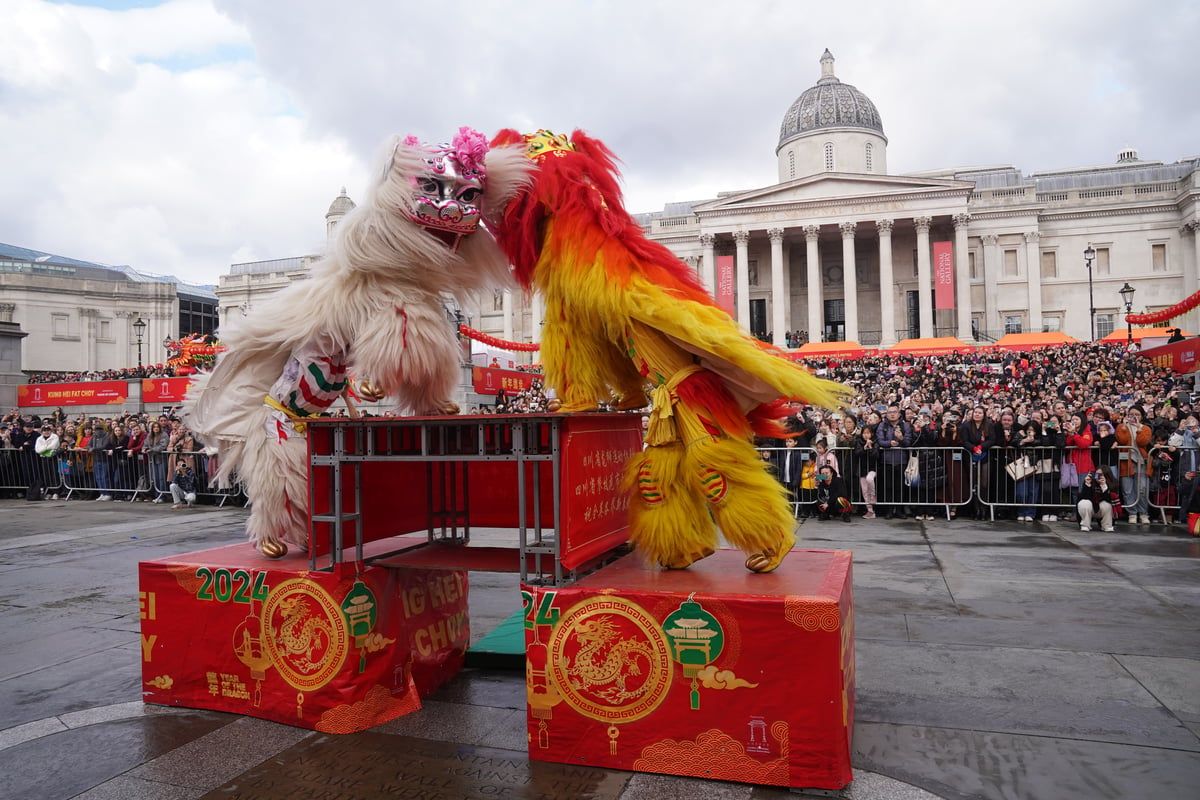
724,287
943,275
164,390
92,393
489,380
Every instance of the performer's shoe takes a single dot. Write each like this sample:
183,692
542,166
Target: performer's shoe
769,560
272,548
687,561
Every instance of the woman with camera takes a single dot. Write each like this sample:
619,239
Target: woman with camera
1097,495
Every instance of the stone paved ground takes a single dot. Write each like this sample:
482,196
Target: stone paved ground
994,661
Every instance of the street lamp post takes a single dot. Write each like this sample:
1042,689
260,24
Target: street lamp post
139,330
1126,293
1088,255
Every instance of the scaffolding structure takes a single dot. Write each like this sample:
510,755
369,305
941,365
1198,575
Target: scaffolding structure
438,454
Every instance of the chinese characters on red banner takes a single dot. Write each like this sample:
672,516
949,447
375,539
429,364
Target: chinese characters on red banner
489,380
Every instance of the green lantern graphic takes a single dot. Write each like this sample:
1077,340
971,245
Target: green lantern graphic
360,609
696,638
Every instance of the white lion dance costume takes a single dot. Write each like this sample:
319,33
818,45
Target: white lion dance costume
373,308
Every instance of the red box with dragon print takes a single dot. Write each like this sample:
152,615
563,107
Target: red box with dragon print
712,672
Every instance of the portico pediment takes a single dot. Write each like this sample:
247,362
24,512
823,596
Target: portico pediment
833,186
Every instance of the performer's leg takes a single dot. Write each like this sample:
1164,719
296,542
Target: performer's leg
585,353
749,505
668,521
276,481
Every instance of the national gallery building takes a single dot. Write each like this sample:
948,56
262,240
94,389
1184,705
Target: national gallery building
840,249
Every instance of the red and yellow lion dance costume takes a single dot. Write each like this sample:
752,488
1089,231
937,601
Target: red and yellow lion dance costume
623,312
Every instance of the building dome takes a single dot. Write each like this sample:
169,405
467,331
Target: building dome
829,104
831,127
340,206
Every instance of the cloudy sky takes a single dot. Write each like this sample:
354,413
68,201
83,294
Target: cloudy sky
181,136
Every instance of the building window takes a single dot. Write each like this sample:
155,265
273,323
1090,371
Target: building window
829,156
1105,320
1158,257
752,272
1102,267
1014,323
791,163
914,262
105,330
1049,264
869,157
60,325
971,266
1052,323
1010,264
497,301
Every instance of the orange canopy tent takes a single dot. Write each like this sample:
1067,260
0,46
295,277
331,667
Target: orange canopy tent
850,349
1033,340
1121,334
930,346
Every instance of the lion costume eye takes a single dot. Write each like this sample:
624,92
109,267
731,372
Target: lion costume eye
469,195
429,186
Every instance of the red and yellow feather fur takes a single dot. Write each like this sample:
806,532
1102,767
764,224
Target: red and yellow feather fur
623,313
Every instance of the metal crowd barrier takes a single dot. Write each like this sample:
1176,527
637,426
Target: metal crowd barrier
1024,481
19,470
136,476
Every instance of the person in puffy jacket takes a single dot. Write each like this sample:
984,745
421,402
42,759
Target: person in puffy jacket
1097,497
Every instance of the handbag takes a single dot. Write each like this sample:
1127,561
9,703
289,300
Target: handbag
1194,524
1070,476
1020,469
1045,466
912,472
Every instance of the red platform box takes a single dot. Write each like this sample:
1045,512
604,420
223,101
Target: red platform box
229,630
712,672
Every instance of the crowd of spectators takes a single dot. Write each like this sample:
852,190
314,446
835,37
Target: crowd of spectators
1092,432
125,456
1086,431
126,374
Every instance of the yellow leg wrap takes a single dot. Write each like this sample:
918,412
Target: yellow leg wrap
668,521
749,505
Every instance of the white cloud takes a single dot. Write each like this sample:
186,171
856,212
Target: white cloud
111,157
181,137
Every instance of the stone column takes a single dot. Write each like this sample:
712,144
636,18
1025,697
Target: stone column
962,271
508,314
87,337
1033,280
887,285
815,301
778,291
849,280
742,240
991,275
924,276
708,274
535,316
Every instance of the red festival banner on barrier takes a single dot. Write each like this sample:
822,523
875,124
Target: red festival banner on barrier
1181,357
724,287
93,393
489,380
943,275
164,390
